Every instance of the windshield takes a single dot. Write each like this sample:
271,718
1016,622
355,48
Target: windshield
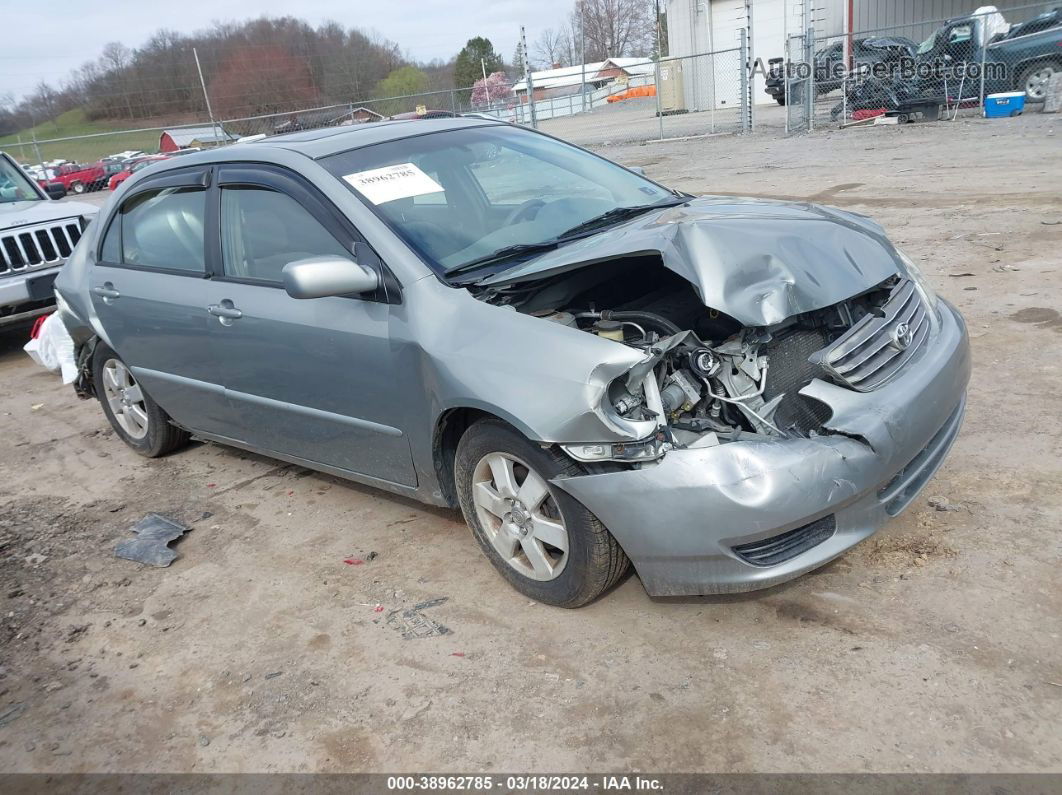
461,195
15,184
928,45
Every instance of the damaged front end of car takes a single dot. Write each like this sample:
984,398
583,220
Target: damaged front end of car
757,443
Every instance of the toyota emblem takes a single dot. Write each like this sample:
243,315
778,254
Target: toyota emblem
902,336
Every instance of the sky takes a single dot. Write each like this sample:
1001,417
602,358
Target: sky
60,35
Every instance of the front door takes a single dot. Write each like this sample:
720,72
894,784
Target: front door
149,290
311,378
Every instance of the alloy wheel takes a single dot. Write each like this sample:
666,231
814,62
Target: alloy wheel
519,516
1036,83
125,398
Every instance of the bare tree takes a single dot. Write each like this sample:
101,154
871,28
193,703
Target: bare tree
550,49
615,28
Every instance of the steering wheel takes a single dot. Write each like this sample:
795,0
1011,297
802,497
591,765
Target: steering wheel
529,208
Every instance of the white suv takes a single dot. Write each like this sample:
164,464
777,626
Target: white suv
36,237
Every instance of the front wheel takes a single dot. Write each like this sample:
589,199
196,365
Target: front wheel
545,543
78,187
136,418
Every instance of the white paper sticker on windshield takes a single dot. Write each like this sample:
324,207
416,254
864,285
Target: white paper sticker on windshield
380,185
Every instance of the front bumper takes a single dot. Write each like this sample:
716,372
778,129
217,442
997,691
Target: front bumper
27,294
679,520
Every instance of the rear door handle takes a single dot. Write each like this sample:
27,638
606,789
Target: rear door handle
106,292
225,311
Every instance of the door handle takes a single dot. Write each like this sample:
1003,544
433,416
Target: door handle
106,292
225,311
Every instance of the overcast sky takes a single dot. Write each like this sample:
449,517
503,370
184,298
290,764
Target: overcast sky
44,40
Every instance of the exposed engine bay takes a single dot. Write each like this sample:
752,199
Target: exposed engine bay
706,379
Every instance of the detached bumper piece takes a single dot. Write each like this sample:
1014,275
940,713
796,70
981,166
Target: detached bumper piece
778,549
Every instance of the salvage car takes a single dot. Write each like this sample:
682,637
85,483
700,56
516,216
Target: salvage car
597,369
37,234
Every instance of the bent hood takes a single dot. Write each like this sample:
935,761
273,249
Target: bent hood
758,261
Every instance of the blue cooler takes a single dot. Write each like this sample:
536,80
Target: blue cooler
999,106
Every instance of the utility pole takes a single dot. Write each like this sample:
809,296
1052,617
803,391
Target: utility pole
751,66
530,81
206,97
582,52
483,66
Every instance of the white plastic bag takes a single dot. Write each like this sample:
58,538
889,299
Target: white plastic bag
53,349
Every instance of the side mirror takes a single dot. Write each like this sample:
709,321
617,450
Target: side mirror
56,190
319,277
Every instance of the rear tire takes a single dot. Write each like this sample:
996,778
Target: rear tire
136,418
1034,80
593,561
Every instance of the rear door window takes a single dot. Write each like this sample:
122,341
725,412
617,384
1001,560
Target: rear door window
162,229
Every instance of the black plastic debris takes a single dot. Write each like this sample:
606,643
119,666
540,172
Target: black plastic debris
154,533
412,623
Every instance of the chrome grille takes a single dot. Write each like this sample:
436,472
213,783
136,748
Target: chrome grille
41,246
877,347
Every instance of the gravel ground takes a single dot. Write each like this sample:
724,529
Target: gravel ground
934,646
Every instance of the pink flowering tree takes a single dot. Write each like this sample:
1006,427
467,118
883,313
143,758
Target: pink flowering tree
496,89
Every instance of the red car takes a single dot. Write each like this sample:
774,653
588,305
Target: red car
78,178
132,166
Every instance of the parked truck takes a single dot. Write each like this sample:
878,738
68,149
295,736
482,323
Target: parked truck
1020,57
79,178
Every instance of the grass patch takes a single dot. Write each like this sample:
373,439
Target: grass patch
84,150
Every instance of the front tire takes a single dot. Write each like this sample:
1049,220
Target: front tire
545,543
136,418
78,187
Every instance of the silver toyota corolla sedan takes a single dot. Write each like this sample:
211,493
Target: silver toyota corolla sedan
595,368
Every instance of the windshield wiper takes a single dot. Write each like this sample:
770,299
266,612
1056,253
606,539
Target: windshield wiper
617,214
504,253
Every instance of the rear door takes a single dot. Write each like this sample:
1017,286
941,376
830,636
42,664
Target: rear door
312,378
149,289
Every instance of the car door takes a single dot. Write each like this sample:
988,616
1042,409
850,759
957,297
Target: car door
311,378
149,287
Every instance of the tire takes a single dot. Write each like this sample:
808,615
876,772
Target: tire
1041,73
593,561
780,100
141,424
77,187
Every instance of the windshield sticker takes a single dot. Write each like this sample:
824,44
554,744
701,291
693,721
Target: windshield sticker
382,185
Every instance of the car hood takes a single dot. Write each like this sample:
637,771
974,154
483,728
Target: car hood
757,260
14,214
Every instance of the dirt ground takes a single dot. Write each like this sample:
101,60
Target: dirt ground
934,646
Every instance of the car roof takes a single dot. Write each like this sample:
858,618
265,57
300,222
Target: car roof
327,141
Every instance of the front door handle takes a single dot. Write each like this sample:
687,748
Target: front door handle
106,292
225,312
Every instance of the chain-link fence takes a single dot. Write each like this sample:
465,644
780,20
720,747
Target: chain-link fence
685,97
929,69
697,95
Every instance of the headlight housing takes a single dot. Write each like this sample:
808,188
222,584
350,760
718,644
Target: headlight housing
920,282
644,450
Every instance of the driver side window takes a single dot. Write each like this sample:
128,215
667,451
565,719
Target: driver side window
263,230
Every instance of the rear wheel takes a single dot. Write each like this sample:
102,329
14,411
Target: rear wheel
135,417
1034,80
547,545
